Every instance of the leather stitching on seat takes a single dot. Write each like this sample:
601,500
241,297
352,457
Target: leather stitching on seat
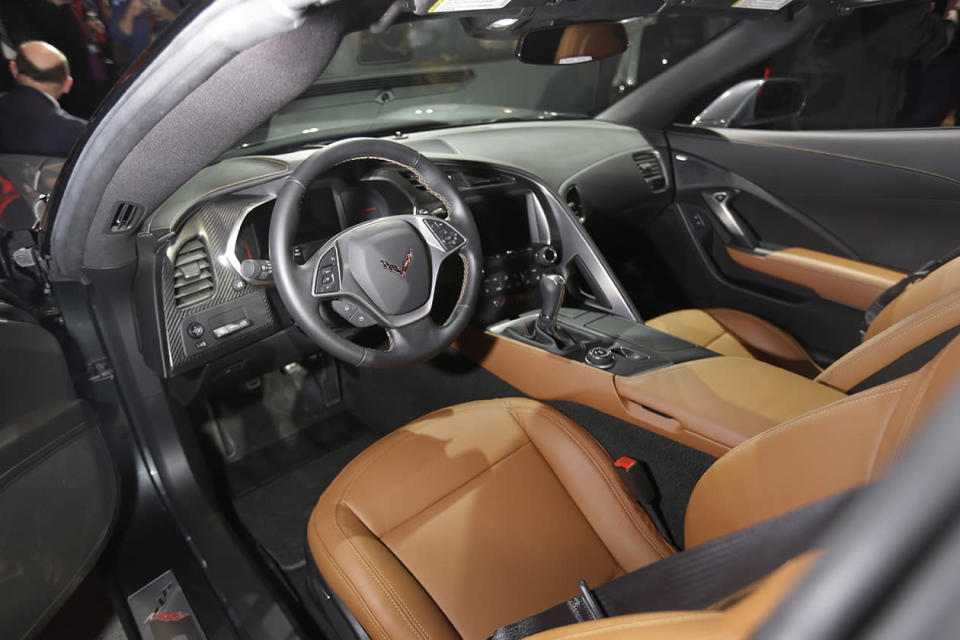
659,545
455,489
346,578
381,580
398,604
408,617
880,340
909,419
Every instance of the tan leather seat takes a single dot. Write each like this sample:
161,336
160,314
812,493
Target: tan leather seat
485,513
925,310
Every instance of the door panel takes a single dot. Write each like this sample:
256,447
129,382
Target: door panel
805,229
887,197
58,487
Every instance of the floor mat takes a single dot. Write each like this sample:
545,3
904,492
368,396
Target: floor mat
276,488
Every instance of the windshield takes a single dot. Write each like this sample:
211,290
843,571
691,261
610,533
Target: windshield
433,73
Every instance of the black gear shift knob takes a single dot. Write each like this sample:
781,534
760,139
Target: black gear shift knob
552,288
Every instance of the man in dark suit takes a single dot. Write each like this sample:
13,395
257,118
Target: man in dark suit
31,120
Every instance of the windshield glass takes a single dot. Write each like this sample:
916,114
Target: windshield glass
432,73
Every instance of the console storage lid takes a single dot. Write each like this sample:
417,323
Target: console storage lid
725,400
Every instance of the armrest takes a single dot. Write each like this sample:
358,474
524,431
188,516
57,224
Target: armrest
848,281
726,400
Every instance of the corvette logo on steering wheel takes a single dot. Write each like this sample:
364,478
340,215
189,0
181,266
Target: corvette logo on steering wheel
402,269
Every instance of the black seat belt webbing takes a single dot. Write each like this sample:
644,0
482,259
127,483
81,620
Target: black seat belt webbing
697,577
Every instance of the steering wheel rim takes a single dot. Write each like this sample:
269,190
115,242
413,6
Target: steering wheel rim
356,264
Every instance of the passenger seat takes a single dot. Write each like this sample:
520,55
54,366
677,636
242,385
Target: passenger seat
926,314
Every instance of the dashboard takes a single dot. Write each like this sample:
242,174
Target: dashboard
208,308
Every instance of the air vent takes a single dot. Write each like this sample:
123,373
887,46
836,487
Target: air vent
192,274
126,217
575,203
649,164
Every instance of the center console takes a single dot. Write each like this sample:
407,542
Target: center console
605,342
643,376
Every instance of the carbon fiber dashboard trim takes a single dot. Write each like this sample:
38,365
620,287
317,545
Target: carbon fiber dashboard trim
212,221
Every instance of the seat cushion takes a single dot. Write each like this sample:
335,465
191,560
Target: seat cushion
739,334
473,517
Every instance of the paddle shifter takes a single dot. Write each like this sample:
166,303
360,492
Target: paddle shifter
552,288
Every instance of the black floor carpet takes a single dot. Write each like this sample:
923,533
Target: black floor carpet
276,488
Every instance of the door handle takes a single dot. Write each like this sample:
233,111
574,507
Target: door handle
719,203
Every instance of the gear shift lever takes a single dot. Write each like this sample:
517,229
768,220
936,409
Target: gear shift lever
552,288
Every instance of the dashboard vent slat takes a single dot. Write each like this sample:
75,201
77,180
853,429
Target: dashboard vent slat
193,280
649,164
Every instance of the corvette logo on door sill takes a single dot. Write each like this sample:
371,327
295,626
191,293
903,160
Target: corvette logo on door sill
402,269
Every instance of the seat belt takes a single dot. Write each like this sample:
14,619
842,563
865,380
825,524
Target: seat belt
695,578
892,292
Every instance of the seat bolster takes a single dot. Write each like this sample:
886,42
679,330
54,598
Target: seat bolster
586,472
373,584
798,462
766,341
938,285
884,348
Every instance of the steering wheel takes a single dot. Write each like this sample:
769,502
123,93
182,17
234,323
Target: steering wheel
381,272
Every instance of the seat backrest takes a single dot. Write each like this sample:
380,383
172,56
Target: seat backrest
836,447
941,283
907,332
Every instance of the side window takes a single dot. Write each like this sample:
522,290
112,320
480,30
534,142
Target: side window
887,66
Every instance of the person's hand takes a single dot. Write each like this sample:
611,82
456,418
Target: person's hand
952,15
135,8
96,26
162,13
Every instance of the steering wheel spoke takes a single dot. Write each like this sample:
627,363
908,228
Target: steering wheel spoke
411,336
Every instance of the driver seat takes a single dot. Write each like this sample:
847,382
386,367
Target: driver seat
482,514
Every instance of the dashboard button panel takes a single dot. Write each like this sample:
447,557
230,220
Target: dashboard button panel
231,327
215,327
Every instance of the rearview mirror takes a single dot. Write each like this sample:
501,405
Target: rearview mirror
573,43
755,102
